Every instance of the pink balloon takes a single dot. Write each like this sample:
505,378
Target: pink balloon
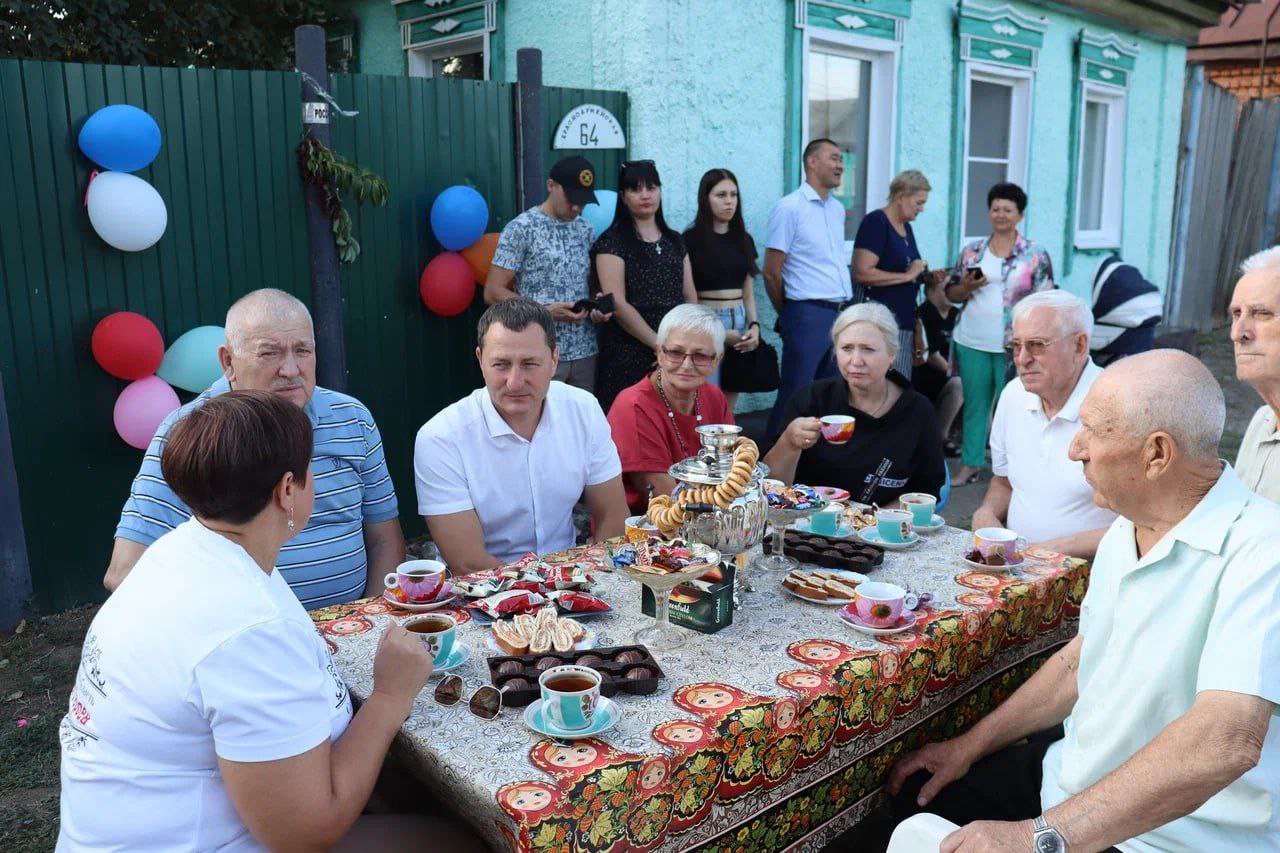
140,408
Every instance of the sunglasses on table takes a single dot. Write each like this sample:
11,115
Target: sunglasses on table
676,357
1035,347
485,703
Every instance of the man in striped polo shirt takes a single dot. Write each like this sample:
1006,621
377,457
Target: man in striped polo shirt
353,538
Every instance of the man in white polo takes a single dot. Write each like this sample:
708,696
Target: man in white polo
1169,693
499,471
1037,491
1255,331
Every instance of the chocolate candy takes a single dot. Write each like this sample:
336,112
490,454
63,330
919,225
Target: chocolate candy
631,656
638,672
975,556
589,660
548,662
510,667
516,684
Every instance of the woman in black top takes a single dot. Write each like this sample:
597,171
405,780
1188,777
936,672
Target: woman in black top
895,446
887,262
723,258
934,377
642,262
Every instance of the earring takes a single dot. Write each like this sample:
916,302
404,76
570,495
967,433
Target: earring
291,518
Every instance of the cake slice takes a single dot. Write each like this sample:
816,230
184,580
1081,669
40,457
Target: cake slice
541,641
839,589
562,638
510,638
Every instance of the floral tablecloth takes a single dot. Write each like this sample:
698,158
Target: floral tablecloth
776,731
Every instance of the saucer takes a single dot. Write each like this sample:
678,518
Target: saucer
458,655
872,537
588,641
607,715
905,622
935,524
983,567
843,528
418,608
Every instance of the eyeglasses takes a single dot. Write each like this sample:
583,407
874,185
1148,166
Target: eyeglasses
485,703
1034,347
676,357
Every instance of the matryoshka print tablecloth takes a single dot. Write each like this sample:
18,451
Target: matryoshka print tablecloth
776,731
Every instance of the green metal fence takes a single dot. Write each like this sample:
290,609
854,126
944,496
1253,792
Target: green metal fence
228,172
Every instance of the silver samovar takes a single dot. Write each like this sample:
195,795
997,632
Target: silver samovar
729,530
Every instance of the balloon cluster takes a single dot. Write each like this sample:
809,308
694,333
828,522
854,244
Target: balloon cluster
129,346
125,211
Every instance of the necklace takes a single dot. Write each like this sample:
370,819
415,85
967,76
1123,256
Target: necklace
873,412
671,413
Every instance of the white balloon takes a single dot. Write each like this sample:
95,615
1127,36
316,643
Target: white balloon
126,211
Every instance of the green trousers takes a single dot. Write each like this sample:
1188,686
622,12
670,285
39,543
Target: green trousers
982,374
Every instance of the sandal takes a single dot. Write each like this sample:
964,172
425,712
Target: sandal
950,449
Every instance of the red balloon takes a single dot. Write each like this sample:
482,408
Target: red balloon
446,286
127,345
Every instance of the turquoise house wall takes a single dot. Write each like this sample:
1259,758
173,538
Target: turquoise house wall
377,37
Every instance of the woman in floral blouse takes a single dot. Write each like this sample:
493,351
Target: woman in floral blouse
992,275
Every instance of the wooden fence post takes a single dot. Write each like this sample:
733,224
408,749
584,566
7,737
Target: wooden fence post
529,109
326,285
15,569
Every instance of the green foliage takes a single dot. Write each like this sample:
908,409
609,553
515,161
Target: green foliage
333,173
256,34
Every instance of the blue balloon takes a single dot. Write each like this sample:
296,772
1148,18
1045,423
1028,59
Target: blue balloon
192,360
120,138
459,216
600,215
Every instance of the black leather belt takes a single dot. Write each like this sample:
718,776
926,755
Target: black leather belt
829,304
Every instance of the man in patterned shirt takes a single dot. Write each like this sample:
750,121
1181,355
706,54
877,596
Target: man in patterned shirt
546,251
353,538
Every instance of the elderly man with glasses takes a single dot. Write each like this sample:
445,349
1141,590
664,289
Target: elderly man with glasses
1037,491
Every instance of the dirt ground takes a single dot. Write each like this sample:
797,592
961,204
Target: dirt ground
38,662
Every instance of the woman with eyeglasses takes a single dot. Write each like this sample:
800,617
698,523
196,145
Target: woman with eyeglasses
896,445
992,275
723,258
642,262
655,421
207,713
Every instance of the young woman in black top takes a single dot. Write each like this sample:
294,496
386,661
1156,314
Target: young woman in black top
933,378
723,258
895,446
642,262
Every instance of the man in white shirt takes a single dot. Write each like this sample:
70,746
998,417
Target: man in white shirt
1255,331
805,271
1037,491
499,471
1169,693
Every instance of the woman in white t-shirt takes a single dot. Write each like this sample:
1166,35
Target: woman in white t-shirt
207,713
992,275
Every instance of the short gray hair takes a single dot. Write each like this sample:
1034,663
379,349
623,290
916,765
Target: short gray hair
264,306
1268,260
869,312
696,319
1167,390
1074,316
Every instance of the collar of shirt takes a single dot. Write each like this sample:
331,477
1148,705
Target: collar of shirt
1070,410
317,408
498,426
1205,528
807,190
1270,433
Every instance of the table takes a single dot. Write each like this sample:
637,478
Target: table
768,734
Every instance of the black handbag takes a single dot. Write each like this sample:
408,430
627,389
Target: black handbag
750,372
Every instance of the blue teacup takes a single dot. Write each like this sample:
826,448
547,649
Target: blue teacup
437,631
894,525
921,506
824,523
570,695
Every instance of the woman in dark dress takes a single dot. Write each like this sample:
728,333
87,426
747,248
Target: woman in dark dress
895,447
643,263
886,261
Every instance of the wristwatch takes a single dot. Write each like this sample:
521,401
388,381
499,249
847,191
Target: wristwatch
1046,839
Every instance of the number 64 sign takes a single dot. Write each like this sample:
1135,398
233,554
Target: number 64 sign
589,126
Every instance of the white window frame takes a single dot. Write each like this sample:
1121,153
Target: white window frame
420,58
881,135
1020,80
1109,235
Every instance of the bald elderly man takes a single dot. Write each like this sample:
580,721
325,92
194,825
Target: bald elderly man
1255,331
1168,693
353,538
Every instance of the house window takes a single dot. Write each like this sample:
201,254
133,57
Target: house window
1100,170
464,59
996,134
848,89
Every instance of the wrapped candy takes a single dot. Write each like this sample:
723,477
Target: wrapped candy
571,601
479,588
510,602
568,577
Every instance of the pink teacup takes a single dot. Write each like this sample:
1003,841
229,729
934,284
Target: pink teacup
837,429
998,540
879,604
419,580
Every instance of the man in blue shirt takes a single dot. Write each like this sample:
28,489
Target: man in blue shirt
806,273
353,538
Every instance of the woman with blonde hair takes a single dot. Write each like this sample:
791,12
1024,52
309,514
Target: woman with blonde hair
887,267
